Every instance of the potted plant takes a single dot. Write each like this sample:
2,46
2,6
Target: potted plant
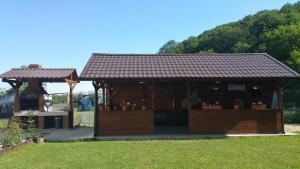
143,104
115,107
101,107
39,138
133,106
123,106
237,104
107,108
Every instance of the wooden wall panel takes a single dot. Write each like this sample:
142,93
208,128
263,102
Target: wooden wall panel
125,123
231,121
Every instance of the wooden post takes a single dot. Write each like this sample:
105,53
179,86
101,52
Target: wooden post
280,105
16,86
17,98
104,92
72,85
152,97
188,95
96,85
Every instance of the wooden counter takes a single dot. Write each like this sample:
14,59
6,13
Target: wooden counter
41,117
235,121
125,122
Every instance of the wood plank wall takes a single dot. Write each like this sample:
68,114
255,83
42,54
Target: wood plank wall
125,123
231,121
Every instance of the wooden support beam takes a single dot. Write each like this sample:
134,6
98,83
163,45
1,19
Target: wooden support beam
97,86
104,92
188,95
280,103
17,84
152,96
12,83
72,85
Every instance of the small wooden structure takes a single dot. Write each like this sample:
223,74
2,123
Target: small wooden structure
32,99
206,93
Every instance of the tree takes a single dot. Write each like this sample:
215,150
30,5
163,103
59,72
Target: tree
276,32
282,41
167,47
2,92
241,47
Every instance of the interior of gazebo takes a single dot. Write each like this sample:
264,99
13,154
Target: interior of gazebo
215,106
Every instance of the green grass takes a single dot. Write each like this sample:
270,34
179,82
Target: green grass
90,114
260,152
3,123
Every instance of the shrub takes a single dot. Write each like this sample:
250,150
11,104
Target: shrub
13,133
31,129
292,116
4,140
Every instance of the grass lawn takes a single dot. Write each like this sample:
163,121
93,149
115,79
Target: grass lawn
89,117
3,123
260,152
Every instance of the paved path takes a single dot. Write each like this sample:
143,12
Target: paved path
292,127
87,133
80,133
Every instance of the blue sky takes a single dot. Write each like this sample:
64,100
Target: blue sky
64,33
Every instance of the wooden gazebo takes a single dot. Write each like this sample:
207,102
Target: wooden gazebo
206,93
32,98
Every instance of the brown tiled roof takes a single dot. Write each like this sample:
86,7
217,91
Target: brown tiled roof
39,73
157,66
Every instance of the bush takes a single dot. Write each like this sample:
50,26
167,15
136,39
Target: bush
12,135
4,140
292,116
31,129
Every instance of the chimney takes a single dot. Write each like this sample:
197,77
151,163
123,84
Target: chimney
35,66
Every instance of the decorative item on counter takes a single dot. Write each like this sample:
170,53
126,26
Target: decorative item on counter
101,107
143,104
237,104
258,106
133,106
217,106
107,108
123,106
115,107
274,102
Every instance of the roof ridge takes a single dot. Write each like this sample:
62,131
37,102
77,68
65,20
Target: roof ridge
176,54
43,68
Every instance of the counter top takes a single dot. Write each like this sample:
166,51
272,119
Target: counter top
37,113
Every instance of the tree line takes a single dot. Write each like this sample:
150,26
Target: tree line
276,32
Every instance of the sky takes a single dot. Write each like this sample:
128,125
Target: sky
64,33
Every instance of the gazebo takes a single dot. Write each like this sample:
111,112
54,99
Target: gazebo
32,99
203,93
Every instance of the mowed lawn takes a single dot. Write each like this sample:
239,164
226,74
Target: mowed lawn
3,123
260,152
